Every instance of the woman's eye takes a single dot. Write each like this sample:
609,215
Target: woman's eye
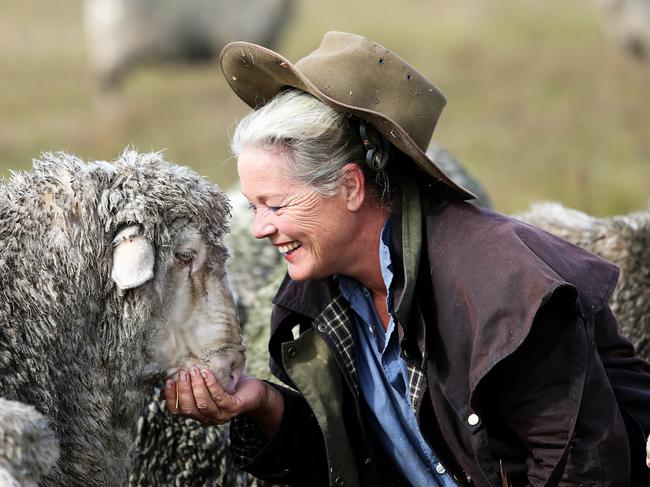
274,208
185,256
252,207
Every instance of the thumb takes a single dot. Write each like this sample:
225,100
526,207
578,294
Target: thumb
220,397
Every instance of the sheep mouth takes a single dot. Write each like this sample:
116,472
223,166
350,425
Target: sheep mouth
152,375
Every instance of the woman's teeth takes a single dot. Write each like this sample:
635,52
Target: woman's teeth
285,249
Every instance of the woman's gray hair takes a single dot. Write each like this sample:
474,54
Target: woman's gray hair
317,141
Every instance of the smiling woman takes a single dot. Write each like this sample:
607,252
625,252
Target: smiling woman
296,198
437,343
317,235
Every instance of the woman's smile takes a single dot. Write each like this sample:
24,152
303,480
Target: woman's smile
314,233
286,249
289,251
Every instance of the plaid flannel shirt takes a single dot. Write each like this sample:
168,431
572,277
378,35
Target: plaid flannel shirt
335,323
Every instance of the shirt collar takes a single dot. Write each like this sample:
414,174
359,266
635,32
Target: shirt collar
350,286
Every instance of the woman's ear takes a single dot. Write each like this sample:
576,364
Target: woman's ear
353,186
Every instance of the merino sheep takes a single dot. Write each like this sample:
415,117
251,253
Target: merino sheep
123,33
113,275
179,451
173,450
624,240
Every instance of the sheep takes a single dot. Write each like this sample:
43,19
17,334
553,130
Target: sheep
455,170
178,451
123,33
624,240
113,276
629,23
28,445
173,450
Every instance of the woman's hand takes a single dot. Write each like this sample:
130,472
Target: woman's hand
202,398
647,453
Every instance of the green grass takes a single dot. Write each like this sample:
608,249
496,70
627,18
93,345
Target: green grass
542,105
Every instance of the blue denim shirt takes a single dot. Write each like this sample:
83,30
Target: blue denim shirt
383,380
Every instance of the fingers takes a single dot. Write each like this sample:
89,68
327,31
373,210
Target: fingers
179,397
203,399
220,397
197,394
170,395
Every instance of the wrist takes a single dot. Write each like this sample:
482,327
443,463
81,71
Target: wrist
268,414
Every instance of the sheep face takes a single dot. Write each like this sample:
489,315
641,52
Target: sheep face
192,319
201,326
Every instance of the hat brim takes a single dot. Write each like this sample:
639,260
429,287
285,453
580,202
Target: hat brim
257,74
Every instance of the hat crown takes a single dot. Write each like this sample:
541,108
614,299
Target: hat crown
352,74
358,72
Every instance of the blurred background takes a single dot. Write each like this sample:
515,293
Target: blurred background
546,100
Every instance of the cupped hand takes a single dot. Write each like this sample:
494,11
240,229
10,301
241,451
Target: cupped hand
202,398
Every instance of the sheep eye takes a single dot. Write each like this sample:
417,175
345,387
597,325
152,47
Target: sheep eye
185,256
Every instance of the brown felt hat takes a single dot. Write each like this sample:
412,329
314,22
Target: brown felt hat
350,73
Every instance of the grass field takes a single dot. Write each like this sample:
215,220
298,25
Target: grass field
542,104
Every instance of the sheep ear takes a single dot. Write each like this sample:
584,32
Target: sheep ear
133,258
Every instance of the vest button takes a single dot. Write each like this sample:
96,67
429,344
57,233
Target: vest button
292,352
440,468
339,481
473,419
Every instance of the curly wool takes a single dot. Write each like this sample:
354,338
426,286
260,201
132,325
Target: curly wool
28,446
624,240
71,343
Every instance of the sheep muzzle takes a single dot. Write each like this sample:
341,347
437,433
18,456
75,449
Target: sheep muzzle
202,327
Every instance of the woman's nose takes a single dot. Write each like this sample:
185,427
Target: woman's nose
262,228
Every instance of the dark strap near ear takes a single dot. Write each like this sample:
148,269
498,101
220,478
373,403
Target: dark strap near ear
376,157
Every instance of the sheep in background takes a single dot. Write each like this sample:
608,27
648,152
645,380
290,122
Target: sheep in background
253,265
624,240
110,275
454,169
629,23
28,445
179,451
123,33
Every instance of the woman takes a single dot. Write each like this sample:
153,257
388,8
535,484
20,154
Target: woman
437,343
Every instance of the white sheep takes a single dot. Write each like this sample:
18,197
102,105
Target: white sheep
124,33
113,275
624,240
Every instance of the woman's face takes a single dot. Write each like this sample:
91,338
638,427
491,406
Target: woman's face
314,233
